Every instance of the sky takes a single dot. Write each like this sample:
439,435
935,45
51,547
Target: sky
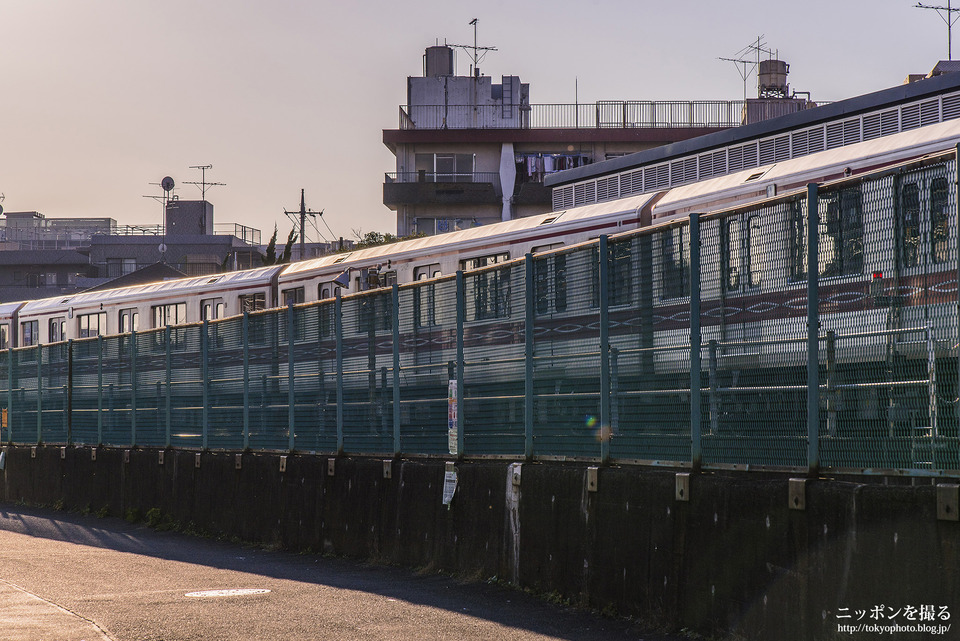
101,99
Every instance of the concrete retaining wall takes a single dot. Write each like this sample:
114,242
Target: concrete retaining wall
732,558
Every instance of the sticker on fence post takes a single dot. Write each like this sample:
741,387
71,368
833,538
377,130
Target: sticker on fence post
449,484
452,416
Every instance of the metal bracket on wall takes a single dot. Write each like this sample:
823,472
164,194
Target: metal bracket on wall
33,452
126,456
331,467
161,456
388,469
948,502
682,488
283,463
196,461
592,478
93,454
516,471
63,453
797,499
238,462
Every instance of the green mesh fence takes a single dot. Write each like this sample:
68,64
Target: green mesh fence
575,353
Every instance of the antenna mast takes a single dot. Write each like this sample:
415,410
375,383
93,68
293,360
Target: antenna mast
946,14
203,184
476,56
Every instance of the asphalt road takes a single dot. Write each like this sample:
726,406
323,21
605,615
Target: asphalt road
67,577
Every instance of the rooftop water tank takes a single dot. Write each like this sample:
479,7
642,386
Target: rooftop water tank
772,79
438,61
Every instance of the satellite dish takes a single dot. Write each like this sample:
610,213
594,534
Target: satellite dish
167,183
1,210
162,248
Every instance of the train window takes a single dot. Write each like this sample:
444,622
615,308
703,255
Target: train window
491,294
425,296
484,261
293,296
676,262
58,329
730,253
4,336
939,217
252,302
91,324
172,314
29,333
754,251
841,237
908,226
212,309
327,290
549,290
129,320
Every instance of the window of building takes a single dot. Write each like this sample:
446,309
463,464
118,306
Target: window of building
117,267
446,167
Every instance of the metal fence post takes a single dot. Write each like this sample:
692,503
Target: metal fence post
205,409
338,328
696,430
10,383
133,389
813,332
395,301
70,392
604,286
528,345
461,321
99,389
956,249
168,363
291,379
245,339
39,349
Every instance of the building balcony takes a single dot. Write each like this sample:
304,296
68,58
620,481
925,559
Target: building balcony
612,114
428,188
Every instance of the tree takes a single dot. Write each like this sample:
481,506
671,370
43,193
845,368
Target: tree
271,257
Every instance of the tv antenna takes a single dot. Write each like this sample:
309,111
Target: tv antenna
203,184
478,53
947,15
747,66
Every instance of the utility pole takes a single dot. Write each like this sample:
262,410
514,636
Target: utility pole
947,15
302,214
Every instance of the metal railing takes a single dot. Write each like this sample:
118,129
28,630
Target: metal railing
625,114
492,177
703,343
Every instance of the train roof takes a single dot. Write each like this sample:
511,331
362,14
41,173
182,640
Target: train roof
160,288
910,144
807,118
476,236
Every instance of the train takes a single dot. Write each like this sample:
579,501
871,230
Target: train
216,296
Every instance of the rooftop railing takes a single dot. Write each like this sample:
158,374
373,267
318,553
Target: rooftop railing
438,177
613,114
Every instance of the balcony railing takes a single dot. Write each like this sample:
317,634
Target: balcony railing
614,114
436,177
